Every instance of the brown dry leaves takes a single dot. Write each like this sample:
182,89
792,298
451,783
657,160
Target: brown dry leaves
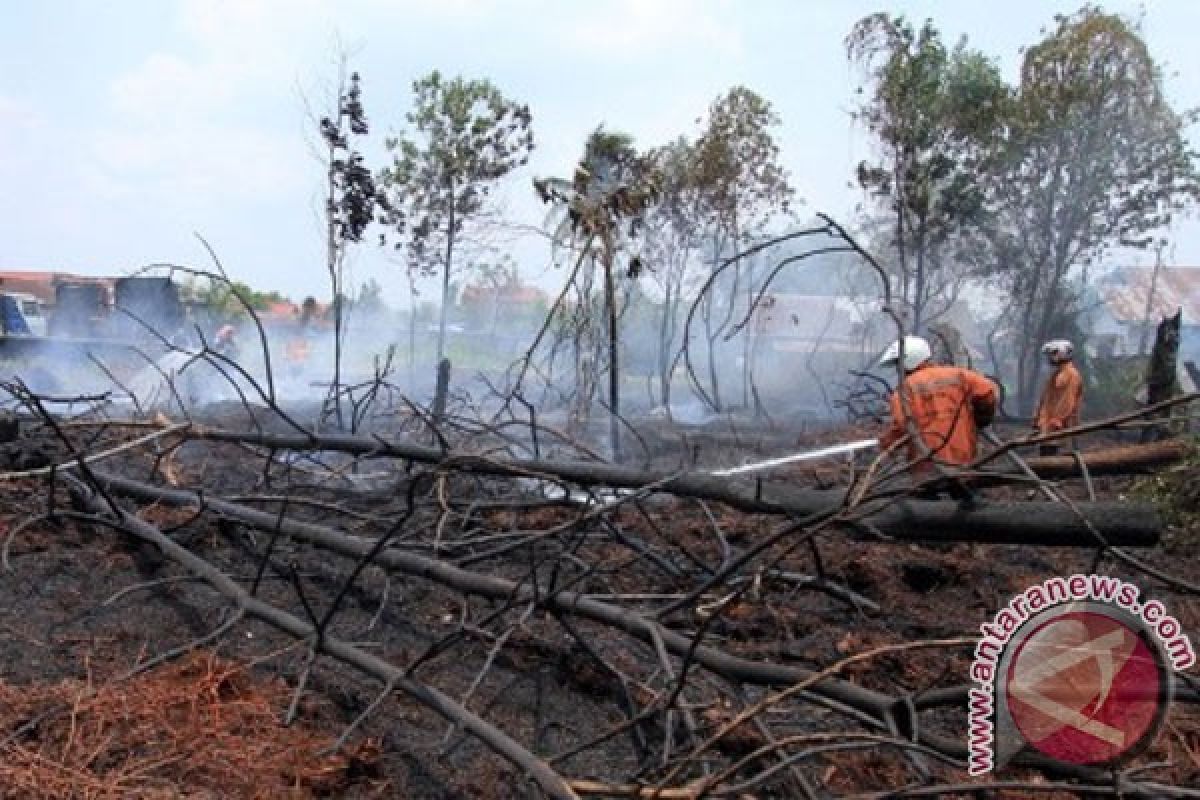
198,728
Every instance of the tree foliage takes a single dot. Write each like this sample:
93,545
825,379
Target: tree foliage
352,191
930,110
464,136
1092,157
221,298
612,186
370,298
741,187
672,237
604,205
737,164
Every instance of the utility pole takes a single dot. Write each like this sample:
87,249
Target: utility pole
1142,340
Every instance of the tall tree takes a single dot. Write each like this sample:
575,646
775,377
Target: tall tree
350,202
603,208
673,234
465,136
929,110
1093,157
743,187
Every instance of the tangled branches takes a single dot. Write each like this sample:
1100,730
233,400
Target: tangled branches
528,613
674,622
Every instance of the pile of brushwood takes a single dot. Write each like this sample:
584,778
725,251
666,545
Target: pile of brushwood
241,604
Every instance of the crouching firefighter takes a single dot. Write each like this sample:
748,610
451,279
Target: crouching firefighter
948,408
225,342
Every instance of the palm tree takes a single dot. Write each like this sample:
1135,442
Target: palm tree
600,211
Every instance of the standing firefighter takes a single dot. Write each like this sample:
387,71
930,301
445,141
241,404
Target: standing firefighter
296,350
1062,396
949,405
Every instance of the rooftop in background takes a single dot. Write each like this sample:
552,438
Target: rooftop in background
280,311
1126,290
41,283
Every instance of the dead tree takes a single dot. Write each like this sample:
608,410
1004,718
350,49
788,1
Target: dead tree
1162,381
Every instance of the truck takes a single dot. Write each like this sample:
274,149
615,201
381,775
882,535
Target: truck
120,327
81,310
146,308
22,315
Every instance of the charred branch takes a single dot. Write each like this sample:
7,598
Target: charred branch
550,781
1043,524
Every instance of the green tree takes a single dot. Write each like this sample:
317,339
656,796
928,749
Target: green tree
465,136
308,311
742,188
930,110
673,235
1092,157
220,298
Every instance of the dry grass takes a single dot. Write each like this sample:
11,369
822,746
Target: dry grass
202,727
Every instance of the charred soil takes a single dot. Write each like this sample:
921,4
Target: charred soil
84,608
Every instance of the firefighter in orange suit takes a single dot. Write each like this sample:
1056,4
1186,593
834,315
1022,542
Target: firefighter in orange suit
949,405
1062,395
225,342
296,350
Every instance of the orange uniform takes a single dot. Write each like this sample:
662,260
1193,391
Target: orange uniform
947,404
1061,399
296,350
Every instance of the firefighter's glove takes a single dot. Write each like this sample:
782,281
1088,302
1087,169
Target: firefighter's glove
983,416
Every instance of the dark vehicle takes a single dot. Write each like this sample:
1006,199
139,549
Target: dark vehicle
80,310
12,320
144,306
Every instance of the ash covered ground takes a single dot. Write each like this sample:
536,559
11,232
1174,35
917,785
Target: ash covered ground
85,603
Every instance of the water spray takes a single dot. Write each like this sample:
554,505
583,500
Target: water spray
810,455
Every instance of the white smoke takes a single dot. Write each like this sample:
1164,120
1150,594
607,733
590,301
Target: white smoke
180,381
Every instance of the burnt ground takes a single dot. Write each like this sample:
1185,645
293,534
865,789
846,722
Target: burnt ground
82,602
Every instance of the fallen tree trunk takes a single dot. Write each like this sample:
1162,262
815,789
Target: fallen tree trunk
1126,460
1039,524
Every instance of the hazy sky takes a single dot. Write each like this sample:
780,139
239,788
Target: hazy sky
127,126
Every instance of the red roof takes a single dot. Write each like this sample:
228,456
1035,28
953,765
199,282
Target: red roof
41,283
510,295
33,275
1127,290
51,276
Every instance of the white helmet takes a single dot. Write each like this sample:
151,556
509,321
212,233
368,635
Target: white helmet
1058,350
916,353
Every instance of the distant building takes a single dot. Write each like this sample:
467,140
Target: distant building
1129,303
506,301
279,313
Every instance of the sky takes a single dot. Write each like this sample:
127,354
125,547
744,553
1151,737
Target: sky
128,128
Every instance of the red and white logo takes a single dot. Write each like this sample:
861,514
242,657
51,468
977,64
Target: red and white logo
1084,686
1077,669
